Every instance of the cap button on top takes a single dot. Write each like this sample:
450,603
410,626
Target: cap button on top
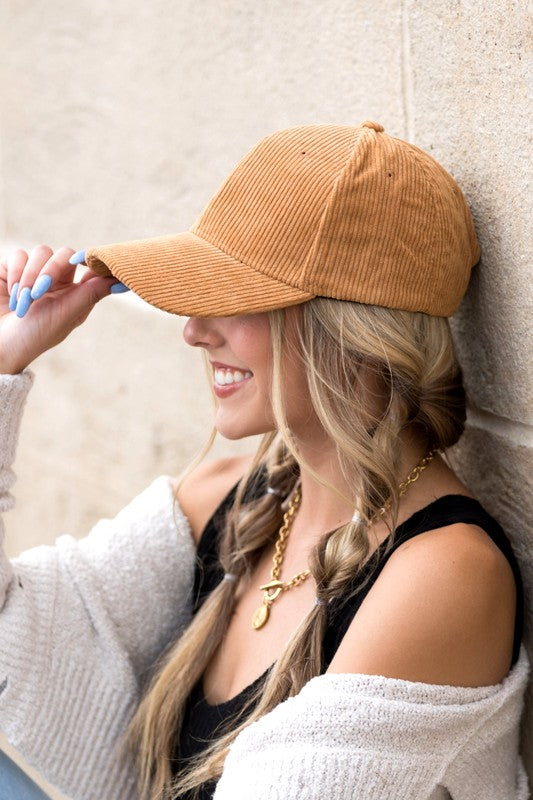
374,125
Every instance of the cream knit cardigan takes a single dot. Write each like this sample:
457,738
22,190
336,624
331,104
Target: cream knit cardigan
82,622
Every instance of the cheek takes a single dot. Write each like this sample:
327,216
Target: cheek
294,368
253,344
296,391
294,387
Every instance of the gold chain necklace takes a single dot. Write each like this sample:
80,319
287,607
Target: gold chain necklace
273,589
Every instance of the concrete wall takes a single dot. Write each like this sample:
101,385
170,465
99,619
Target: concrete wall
120,120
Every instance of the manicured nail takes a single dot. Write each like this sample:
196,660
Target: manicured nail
13,297
78,258
24,301
41,285
118,288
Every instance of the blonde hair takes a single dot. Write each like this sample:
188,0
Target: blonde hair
411,356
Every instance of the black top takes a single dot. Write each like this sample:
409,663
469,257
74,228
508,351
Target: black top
202,719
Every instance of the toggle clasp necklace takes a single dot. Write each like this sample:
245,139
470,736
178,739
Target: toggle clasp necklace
275,586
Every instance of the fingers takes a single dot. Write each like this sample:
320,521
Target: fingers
16,261
42,273
30,277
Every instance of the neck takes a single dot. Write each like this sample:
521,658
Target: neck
321,507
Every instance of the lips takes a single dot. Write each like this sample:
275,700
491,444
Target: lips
228,379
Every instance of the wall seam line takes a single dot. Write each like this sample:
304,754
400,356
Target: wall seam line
519,433
407,77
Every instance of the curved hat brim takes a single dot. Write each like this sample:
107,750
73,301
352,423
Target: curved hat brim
186,275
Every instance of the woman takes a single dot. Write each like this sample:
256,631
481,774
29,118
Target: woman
351,625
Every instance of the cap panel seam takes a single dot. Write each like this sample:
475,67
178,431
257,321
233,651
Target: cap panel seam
359,133
440,205
429,178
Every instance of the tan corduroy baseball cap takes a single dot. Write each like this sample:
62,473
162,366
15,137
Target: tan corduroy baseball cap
339,211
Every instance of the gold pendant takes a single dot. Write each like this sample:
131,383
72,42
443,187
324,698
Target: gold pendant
260,616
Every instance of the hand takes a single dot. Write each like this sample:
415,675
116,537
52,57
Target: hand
25,334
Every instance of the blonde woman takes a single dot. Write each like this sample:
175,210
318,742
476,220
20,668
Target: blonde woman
335,616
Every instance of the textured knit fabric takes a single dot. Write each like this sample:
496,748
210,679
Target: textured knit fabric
82,623
363,737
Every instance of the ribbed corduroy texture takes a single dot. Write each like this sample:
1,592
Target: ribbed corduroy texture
81,624
332,210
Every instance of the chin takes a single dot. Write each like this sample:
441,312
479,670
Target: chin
239,430
233,436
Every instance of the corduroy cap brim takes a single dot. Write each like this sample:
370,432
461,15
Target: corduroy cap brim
185,275
339,211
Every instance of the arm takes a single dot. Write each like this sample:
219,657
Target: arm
80,625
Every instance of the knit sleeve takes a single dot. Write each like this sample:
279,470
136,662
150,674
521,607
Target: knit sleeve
82,623
363,736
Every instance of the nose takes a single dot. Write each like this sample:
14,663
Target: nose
202,332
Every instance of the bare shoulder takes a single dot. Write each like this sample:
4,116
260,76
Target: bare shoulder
442,611
206,486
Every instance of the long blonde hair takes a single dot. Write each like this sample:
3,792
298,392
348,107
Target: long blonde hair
412,356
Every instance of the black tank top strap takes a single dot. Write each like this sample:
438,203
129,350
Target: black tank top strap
446,510
208,572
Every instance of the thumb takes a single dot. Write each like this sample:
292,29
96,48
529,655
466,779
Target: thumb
89,291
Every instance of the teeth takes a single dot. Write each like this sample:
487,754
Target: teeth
223,377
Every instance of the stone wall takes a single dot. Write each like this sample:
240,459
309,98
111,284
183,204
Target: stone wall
120,120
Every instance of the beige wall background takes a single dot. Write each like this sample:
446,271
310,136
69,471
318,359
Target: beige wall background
120,121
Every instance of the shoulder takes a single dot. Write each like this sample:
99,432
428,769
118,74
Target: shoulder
202,491
441,611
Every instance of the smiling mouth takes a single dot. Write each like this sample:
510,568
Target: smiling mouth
226,377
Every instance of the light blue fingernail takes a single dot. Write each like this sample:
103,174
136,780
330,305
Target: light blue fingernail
78,258
41,285
119,288
24,301
13,297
